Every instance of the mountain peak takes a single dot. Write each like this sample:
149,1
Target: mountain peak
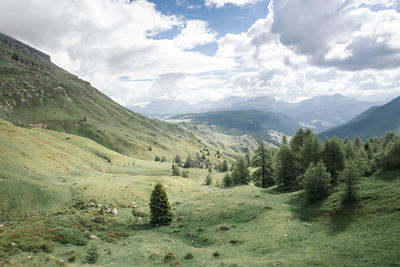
24,48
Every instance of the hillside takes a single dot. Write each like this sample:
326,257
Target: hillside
36,93
318,113
260,124
218,226
374,122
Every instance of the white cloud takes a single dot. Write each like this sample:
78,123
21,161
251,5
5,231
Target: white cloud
193,34
300,49
221,3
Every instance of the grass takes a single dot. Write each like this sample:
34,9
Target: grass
238,226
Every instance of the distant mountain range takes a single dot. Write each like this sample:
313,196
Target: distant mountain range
261,125
318,113
374,122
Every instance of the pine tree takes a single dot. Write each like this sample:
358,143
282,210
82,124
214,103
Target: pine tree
297,141
333,157
157,158
188,162
177,159
285,172
263,161
224,166
391,158
159,206
350,177
310,152
227,181
316,182
241,173
175,170
208,180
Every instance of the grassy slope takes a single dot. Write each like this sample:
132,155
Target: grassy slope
245,122
34,91
366,234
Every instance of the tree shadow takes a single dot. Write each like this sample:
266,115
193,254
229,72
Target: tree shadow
336,220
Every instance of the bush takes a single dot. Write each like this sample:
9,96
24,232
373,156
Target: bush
159,206
157,158
188,256
92,255
316,182
185,174
208,180
175,170
70,236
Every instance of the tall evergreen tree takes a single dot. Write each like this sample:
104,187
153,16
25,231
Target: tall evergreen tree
160,208
227,181
391,158
285,171
178,159
188,163
316,182
263,176
333,156
241,172
224,166
350,177
310,152
297,141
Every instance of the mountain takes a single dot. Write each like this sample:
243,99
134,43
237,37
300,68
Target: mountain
164,108
374,122
262,125
318,113
35,93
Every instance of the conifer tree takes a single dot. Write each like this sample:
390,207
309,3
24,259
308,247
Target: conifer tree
241,173
175,170
208,180
391,158
310,152
227,180
333,157
178,159
350,177
224,166
188,162
285,172
262,159
297,141
160,208
316,182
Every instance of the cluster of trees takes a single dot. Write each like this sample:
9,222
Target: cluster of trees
307,163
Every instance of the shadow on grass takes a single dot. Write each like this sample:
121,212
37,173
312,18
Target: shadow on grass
337,219
387,175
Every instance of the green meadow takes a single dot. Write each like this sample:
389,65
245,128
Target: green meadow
48,219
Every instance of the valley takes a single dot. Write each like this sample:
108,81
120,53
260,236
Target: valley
77,172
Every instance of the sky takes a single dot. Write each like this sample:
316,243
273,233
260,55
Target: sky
136,51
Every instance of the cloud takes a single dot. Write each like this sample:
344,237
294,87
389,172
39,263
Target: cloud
300,49
221,3
194,33
289,54
103,40
346,35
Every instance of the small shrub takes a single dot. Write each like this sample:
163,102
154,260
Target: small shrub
227,180
208,180
188,256
217,254
224,227
185,174
72,259
70,236
92,255
169,257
